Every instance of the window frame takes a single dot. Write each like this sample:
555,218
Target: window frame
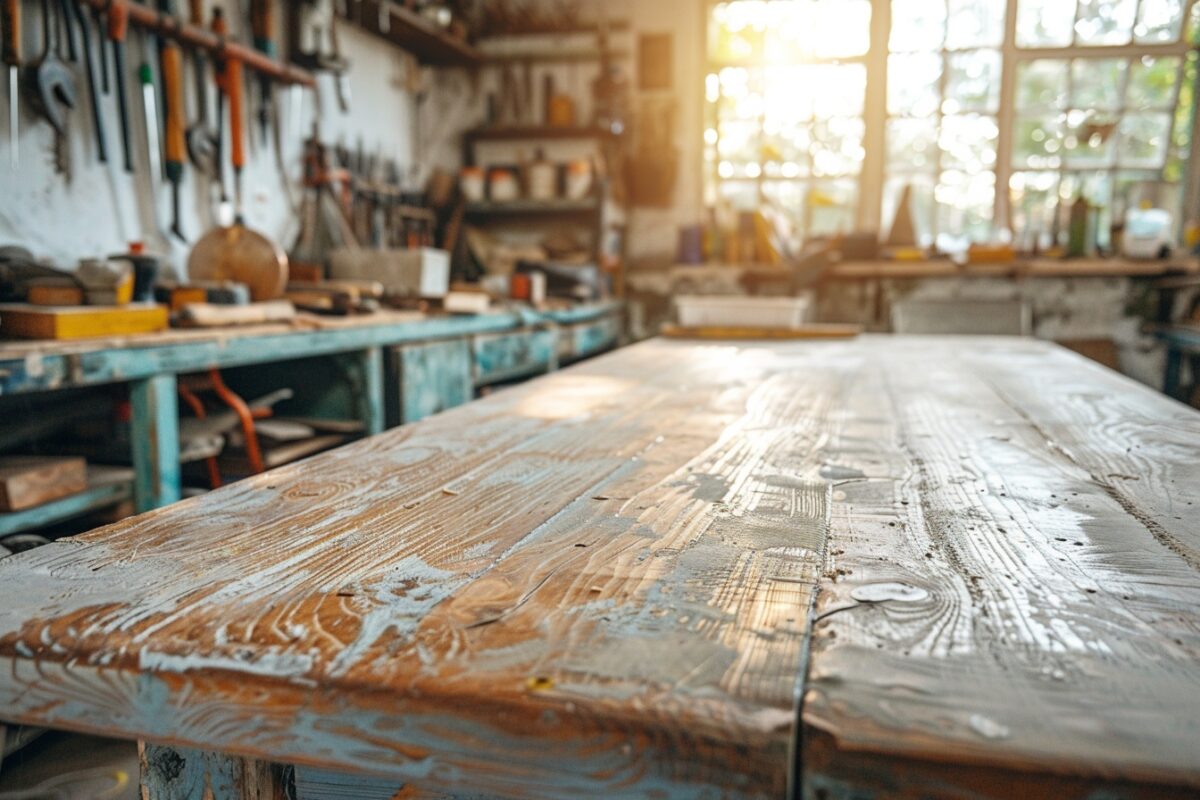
873,173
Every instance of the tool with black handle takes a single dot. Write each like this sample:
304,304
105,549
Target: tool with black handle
93,85
118,29
175,146
262,23
10,53
220,27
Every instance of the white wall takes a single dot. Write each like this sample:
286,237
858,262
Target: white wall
102,208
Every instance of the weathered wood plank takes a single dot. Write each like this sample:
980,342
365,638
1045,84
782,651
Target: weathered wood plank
1013,582
170,773
596,585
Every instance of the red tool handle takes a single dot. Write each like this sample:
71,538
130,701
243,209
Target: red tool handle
11,13
118,21
235,88
172,66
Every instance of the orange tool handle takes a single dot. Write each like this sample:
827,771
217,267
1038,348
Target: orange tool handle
237,111
11,12
172,66
118,21
196,11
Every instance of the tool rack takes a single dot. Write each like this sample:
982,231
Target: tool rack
194,36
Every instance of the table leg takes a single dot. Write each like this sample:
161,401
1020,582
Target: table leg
1174,373
172,773
154,430
371,403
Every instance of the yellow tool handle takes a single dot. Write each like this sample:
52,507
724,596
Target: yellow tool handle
172,65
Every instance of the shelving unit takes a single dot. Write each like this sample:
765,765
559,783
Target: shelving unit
413,33
587,205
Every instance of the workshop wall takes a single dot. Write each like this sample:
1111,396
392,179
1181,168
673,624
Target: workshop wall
98,208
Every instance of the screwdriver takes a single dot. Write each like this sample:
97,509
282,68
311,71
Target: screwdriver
237,121
118,28
11,49
176,147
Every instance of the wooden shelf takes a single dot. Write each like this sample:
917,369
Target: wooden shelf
613,26
410,31
107,486
542,207
573,56
518,133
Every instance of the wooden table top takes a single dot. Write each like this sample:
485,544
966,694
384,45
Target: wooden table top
600,584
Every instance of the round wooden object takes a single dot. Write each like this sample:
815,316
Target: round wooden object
239,254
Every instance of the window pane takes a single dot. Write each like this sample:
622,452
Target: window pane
841,27
911,145
831,205
791,101
917,25
1043,23
737,32
1143,140
837,146
968,142
1152,83
1097,82
1090,141
1105,21
1034,202
965,205
973,82
1159,21
1042,85
837,89
975,23
738,141
913,81
741,195
1037,141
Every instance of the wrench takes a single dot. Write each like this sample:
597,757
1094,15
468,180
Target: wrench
51,84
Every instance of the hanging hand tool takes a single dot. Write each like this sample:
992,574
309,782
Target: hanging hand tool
172,62
262,23
235,89
220,26
150,104
118,28
52,86
10,51
200,138
68,33
102,53
93,88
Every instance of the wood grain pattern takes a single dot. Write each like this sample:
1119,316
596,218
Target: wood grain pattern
594,585
1011,603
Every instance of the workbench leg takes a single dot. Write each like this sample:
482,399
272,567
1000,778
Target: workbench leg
172,773
371,401
1174,373
154,430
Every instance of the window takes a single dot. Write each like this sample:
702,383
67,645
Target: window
1098,104
800,151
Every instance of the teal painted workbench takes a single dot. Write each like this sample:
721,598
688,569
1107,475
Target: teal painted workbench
402,367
